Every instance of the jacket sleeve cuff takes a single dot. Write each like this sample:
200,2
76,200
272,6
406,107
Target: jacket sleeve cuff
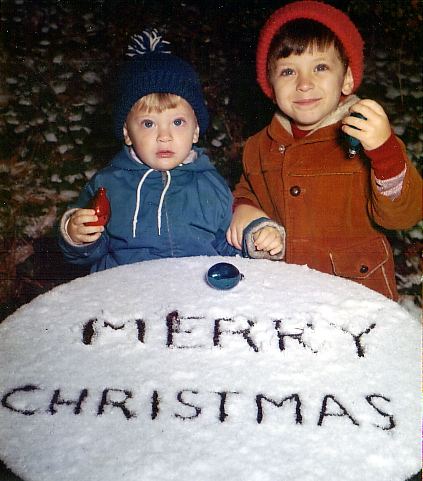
243,201
387,160
248,247
64,228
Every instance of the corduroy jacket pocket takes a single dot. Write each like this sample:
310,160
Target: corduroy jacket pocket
361,260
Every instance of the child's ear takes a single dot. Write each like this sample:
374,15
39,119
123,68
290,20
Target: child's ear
126,135
348,83
196,135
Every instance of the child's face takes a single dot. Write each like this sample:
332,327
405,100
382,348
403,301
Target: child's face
162,140
308,87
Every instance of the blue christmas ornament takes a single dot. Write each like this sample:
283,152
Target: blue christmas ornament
353,143
223,276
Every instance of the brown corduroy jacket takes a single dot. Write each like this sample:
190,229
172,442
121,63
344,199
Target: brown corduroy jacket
328,203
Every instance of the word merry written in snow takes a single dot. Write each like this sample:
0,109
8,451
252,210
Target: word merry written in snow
185,406
197,332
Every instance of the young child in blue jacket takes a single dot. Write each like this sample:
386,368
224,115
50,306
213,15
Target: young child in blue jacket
166,198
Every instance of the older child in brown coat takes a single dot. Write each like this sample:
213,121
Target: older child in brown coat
297,171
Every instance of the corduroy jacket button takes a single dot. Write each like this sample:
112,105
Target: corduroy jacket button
363,269
281,149
295,191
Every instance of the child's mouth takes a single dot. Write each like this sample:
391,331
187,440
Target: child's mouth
306,102
164,154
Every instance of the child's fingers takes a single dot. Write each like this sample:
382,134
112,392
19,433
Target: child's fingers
372,132
276,250
234,237
80,233
89,237
274,247
349,129
91,229
268,239
369,106
82,216
369,109
261,238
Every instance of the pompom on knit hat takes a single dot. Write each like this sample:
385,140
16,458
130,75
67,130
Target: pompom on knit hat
331,17
151,68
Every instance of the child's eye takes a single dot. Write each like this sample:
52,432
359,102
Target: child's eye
178,122
286,71
321,67
147,124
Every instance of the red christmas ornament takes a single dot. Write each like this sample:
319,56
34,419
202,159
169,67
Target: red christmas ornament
100,203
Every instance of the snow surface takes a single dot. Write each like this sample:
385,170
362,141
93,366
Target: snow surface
145,373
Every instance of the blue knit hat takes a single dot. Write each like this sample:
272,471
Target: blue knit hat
153,69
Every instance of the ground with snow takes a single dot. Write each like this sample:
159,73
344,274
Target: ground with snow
145,372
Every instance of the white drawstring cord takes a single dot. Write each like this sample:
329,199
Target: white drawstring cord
137,207
159,212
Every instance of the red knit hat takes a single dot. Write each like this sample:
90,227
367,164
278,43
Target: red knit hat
327,15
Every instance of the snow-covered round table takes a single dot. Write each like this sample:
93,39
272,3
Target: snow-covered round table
146,373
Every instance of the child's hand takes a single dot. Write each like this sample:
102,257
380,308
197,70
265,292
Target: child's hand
79,232
374,131
243,216
268,239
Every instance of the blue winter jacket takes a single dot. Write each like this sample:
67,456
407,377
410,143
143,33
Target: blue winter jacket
182,212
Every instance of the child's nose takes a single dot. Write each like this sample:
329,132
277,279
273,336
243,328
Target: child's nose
305,82
164,135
